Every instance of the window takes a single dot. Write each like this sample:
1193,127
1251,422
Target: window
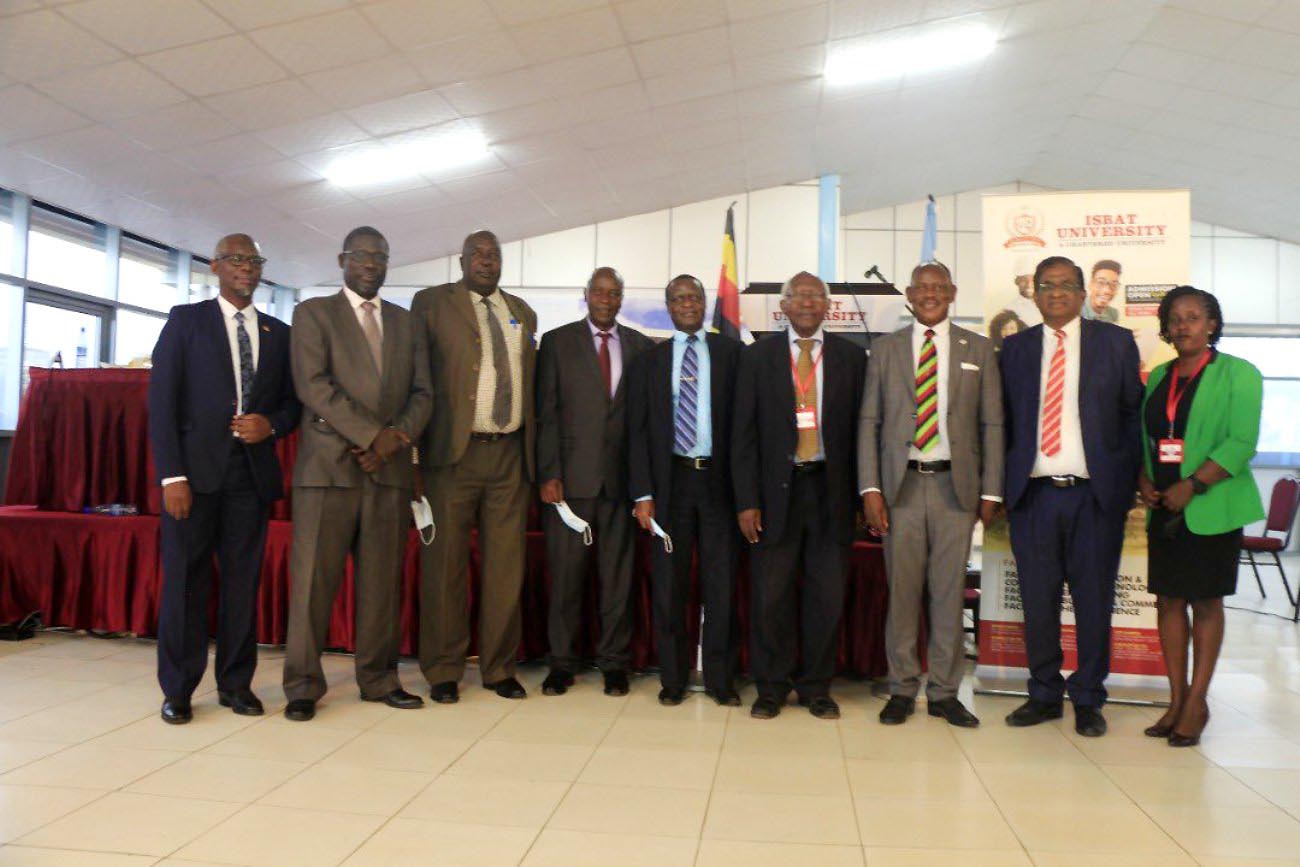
146,275
67,252
203,283
7,246
11,329
1279,436
66,335
136,335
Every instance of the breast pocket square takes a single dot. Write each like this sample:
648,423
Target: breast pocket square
966,365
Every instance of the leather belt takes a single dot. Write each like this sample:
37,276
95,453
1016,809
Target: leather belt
930,467
809,467
692,463
484,437
1061,481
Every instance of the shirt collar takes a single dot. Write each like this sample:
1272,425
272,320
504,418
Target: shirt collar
229,310
818,335
356,300
613,332
940,329
1070,328
680,336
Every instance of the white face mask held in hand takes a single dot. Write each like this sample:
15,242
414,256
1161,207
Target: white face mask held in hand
659,531
573,522
423,514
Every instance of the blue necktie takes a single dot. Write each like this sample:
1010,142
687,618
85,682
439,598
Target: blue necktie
245,363
687,397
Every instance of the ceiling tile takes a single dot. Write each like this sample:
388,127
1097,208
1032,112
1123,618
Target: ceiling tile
1188,31
1267,48
406,112
269,105
851,18
258,178
692,83
219,66
143,26
251,14
419,199
568,35
1239,80
312,44
226,155
113,91
1237,10
306,197
780,32
480,186
43,44
673,53
569,76
739,10
651,19
1156,61
318,134
467,58
512,12
361,83
411,23
794,63
28,114
85,150
178,126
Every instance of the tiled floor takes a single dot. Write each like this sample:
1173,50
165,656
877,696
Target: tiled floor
90,776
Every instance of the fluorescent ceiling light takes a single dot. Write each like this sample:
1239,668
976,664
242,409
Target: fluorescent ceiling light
387,162
910,55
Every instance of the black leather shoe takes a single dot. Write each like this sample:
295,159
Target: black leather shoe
764,708
1033,712
508,688
300,709
954,712
822,707
241,701
616,683
897,710
400,699
177,711
446,692
557,682
671,697
1089,722
724,697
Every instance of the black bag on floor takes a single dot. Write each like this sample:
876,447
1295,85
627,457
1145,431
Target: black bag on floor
21,630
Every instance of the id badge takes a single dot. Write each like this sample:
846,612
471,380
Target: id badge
1170,451
805,419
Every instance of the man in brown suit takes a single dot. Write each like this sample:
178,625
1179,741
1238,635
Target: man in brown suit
361,370
477,457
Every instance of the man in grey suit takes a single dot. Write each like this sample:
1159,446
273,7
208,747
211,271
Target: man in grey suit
361,370
582,460
929,463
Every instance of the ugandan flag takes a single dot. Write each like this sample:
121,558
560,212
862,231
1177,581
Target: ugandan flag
726,307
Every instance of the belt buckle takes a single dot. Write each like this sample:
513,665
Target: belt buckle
698,463
920,468
1063,481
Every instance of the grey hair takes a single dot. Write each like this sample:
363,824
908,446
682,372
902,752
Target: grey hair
606,271
668,290
933,263
787,288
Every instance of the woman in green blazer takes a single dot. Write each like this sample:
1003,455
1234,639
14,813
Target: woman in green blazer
1200,425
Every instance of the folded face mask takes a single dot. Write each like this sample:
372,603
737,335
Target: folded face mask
573,522
662,534
423,515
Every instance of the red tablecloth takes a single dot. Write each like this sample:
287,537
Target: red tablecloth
96,572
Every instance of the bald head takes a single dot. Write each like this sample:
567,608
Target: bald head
238,239
237,261
480,262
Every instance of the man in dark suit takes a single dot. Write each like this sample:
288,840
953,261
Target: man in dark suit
679,431
794,466
220,394
582,460
1072,395
478,459
362,372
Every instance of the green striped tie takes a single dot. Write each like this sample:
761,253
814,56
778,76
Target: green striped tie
927,395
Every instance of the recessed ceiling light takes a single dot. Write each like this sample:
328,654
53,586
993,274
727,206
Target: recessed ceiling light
909,55
427,156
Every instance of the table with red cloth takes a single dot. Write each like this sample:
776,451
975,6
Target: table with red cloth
82,440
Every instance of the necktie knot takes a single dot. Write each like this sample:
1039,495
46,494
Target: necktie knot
367,306
603,335
929,332
805,344
239,316
1060,335
691,338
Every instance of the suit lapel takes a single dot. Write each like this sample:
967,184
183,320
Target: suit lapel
216,327
717,385
906,362
587,352
625,356
265,346
1087,347
958,351
661,378
781,372
390,342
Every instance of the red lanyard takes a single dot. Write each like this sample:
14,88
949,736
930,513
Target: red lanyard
801,385
1176,393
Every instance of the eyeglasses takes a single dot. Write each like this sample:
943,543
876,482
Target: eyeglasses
363,257
1059,287
1107,284
239,260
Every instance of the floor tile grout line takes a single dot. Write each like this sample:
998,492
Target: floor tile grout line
853,798
713,784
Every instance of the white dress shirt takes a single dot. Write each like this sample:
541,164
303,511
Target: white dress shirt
818,339
1070,460
356,301
615,354
486,392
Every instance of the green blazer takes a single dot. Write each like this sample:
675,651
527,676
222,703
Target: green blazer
1222,426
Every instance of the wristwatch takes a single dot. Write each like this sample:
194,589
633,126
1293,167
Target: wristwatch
1198,486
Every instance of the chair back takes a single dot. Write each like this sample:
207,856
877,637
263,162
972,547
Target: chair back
1282,507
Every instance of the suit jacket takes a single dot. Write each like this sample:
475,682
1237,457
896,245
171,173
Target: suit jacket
446,316
1110,396
192,398
650,421
764,438
346,401
974,417
581,431
1223,426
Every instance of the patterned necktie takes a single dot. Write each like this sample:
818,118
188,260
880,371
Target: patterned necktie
807,447
245,362
370,328
927,395
606,363
687,396
503,393
1053,400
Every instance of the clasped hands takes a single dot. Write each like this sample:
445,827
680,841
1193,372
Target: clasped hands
387,443
1173,498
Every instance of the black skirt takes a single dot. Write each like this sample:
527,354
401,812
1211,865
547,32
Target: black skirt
1187,565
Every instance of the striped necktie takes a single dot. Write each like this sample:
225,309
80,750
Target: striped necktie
687,399
246,370
1053,399
927,395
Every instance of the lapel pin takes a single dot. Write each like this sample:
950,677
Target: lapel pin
267,329
961,340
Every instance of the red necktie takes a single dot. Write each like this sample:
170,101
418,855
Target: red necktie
606,366
1054,399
